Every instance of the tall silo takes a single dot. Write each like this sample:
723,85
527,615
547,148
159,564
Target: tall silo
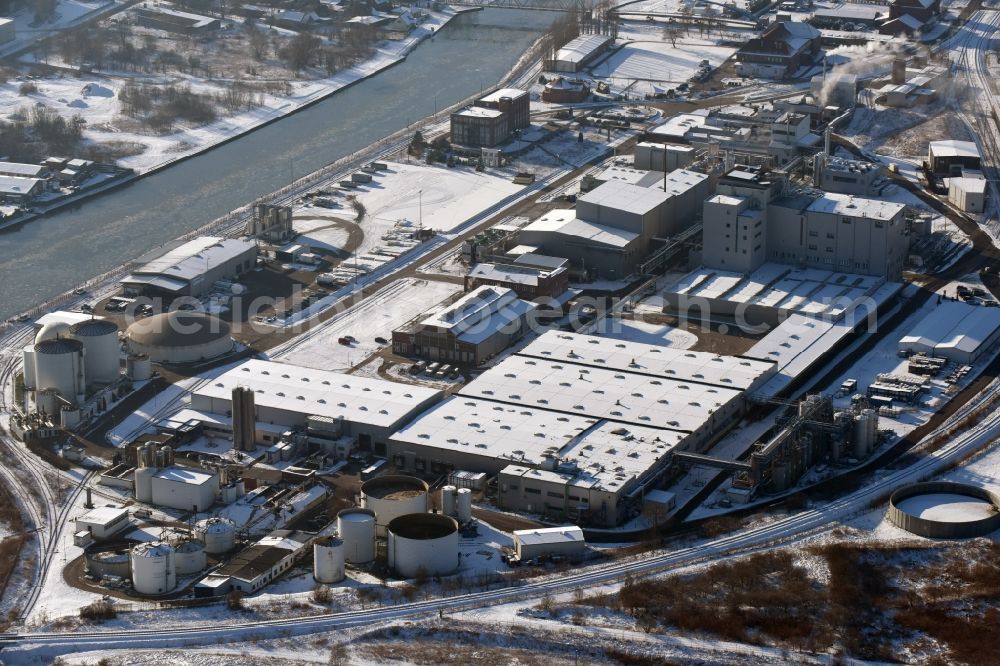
59,365
357,529
153,568
103,350
328,560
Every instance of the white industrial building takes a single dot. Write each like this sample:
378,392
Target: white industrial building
578,53
578,426
950,157
967,193
326,405
548,541
662,156
747,223
615,225
192,268
957,331
254,567
102,523
184,488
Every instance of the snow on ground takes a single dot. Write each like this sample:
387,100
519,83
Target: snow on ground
648,333
65,95
376,316
67,13
321,227
653,65
947,507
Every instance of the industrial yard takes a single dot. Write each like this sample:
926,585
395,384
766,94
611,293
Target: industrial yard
679,344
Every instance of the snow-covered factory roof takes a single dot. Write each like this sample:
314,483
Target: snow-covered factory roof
645,359
514,274
565,222
953,148
195,257
579,49
496,96
185,475
680,403
852,206
811,291
321,393
593,452
954,326
22,170
15,185
102,515
549,535
797,344
479,314
479,112
627,197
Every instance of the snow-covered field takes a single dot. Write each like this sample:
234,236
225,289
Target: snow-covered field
376,316
67,14
652,65
100,107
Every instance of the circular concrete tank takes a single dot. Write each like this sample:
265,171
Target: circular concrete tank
328,560
217,534
180,336
154,570
189,557
100,343
945,510
356,527
104,559
393,496
423,544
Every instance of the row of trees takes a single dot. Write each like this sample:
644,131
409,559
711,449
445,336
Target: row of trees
34,135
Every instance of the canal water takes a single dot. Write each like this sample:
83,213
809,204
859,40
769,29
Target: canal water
52,254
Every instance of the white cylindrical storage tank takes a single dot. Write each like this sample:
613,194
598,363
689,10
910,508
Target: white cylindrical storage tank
328,560
153,568
356,527
59,366
100,342
448,500
422,544
865,432
144,483
189,557
52,331
463,505
393,496
138,367
217,534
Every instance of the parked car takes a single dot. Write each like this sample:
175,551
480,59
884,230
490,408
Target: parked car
382,341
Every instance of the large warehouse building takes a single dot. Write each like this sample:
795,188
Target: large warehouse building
957,331
190,269
330,403
578,426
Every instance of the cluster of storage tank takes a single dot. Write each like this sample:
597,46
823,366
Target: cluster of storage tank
150,460
457,503
395,507
66,361
156,566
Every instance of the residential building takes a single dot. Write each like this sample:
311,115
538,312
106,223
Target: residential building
782,49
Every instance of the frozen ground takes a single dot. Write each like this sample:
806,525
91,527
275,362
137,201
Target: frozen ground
67,14
947,507
376,316
648,67
321,227
99,108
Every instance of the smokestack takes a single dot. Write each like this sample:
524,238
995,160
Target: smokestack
89,503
